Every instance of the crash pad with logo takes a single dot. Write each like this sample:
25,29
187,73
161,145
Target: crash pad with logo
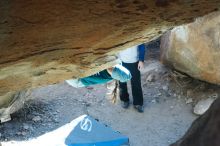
90,132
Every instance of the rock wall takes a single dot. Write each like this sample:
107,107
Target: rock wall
47,41
195,48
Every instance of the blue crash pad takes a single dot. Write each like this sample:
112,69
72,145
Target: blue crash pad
90,132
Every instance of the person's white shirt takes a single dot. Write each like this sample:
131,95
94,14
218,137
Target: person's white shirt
130,55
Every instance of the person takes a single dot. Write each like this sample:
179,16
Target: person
132,59
118,72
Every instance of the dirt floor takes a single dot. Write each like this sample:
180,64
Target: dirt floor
166,117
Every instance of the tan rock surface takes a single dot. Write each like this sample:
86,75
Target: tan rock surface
195,48
47,41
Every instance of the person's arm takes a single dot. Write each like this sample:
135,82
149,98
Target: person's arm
98,78
141,49
117,72
109,70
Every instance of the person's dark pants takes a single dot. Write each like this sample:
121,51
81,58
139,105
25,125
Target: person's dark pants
135,85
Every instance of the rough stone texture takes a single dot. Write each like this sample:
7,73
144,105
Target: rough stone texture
205,130
47,41
195,48
203,105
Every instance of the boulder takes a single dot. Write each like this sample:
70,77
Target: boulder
194,48
47,41
204,131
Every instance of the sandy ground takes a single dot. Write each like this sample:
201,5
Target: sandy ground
161,124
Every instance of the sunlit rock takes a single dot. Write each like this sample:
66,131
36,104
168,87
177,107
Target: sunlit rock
194,49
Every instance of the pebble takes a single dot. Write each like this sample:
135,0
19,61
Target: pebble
189,100
18,133
189,93
36,118
49,120
56,120
151,78
49,124
26,127
214,96
159,94
165,88
153,101
90,88
43,124
23,133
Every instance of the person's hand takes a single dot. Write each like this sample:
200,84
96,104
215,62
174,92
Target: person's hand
140,65
109,70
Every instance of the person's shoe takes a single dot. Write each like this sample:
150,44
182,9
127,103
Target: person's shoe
125,104
139,108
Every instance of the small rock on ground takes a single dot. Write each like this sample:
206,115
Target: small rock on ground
36,118
203,105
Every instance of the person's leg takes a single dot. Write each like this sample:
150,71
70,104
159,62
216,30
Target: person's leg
136,85
124,96
123,92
